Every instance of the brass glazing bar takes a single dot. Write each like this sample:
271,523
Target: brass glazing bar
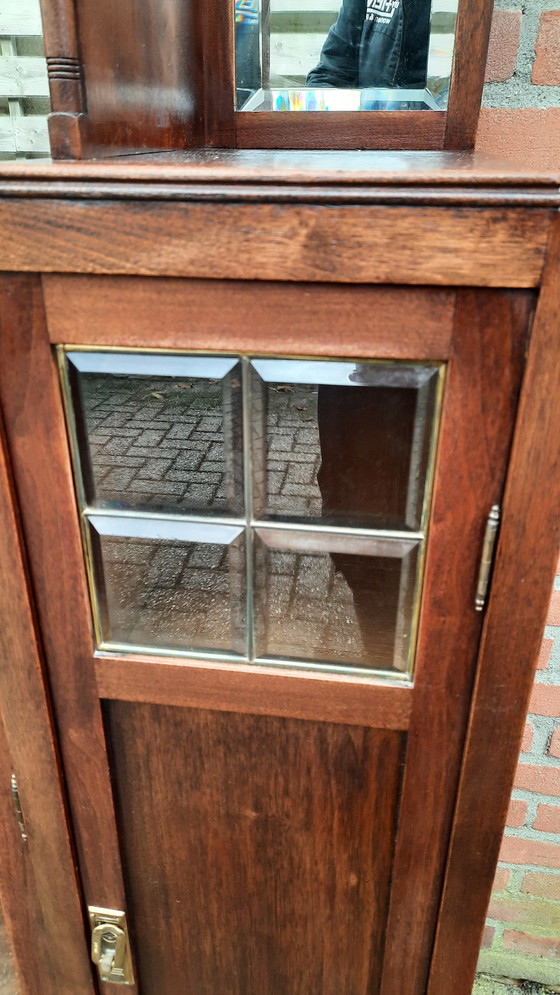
395,677
248,491
91,511
206,656
106,646
340,530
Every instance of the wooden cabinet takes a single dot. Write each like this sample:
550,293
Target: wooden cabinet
258,410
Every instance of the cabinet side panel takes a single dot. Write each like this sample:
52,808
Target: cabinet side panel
30,969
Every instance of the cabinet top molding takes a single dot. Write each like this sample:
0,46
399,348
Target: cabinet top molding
282,216
249,175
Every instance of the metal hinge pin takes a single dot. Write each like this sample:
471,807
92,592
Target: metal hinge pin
487,557
17,807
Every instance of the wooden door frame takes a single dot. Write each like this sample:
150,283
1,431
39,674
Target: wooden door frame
523,578
45,924
491,354
79,725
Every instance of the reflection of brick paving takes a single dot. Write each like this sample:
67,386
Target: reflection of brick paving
159,444
149,438
308,608
294,455
175,594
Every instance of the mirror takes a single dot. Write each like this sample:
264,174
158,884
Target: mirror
343,55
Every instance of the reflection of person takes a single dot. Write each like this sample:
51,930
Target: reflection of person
376,43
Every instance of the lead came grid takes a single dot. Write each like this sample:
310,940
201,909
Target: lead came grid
254,509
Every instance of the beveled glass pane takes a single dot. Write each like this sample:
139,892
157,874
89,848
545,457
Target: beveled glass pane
159,432
343,55
341,442
332,599
170,585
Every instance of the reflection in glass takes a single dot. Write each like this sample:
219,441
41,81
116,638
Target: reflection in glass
339,442
344,54
159,432
334,599
170,585
319,562
247,47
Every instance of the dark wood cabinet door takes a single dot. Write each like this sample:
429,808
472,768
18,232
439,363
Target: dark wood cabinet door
267,787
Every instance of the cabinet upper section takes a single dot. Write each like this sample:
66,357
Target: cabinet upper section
154,75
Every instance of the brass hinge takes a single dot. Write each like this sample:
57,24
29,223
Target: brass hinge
487,557
110,948
17,806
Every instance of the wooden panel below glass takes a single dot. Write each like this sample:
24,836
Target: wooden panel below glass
258,850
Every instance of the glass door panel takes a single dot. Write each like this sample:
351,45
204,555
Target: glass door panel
340,599
347,443
269,510
169,584
158,432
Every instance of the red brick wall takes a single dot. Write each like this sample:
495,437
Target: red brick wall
520,117
522,936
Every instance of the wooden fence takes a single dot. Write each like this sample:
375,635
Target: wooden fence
24,89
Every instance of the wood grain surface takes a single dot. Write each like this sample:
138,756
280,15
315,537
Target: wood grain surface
272,242
472,34
483,381
142,70
523,575
36,435
258,849
404,169
26,721
258,690
391,322
394,130
216,29
26,962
